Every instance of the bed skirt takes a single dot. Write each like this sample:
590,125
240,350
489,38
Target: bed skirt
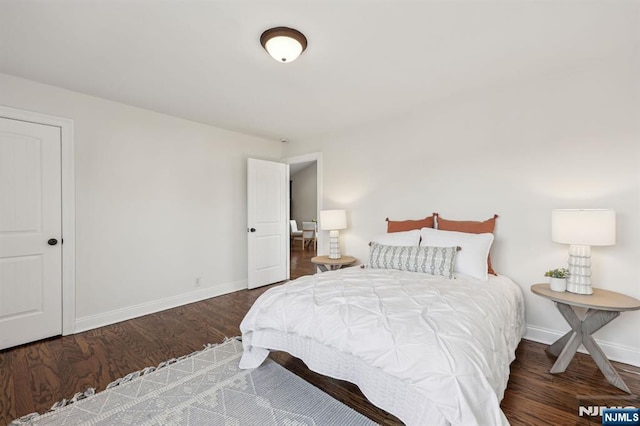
382,390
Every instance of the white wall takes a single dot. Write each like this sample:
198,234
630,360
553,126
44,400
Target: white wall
566,139
159,202
304,201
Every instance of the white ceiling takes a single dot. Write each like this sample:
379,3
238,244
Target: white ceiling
366,60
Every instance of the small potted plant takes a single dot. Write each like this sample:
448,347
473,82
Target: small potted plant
557,279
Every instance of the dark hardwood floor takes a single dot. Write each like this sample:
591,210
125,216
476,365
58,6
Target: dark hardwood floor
36,375
301,260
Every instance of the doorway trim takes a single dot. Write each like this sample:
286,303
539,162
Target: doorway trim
305,158
68,206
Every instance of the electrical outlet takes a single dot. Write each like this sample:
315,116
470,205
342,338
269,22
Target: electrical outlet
198,279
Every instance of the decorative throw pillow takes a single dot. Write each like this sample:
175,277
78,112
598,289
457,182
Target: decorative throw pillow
405,238
429,260
469,226
408,225
474,249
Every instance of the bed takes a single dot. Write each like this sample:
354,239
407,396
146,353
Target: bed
429,349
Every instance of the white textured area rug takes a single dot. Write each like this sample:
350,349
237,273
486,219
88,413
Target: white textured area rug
205,388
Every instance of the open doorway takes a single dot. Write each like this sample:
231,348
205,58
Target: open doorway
304,207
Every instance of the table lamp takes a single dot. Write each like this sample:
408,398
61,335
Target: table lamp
582,229
333,221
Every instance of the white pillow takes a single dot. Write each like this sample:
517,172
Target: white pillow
472,258
404,238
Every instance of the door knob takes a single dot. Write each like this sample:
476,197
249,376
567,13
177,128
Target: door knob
252,230
52,242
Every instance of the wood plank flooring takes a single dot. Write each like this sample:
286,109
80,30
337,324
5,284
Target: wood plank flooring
301,260
36,375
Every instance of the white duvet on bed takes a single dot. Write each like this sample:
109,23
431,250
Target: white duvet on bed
427,349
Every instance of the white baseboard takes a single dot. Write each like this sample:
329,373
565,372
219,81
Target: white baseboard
614,351
112,317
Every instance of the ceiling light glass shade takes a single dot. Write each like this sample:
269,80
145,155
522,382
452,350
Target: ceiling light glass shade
283,44
283,49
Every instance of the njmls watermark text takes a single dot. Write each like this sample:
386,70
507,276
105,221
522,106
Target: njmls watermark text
609,410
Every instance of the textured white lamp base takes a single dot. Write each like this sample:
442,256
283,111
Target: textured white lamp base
579,280
334,245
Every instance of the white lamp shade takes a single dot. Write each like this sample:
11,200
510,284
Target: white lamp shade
595,227
331,220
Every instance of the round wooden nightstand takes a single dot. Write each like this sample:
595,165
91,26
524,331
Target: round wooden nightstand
603,306
324,263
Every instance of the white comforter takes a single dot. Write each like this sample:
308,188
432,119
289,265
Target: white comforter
446,345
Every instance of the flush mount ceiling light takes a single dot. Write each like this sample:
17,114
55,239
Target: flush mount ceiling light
283,44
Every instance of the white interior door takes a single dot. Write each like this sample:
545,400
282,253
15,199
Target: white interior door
30,232
268,220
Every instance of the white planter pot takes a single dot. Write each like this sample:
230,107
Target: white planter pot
558,284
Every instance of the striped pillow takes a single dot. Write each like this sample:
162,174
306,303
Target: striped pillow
430,260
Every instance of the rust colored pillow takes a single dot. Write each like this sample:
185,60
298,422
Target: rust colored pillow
470,227
409,225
